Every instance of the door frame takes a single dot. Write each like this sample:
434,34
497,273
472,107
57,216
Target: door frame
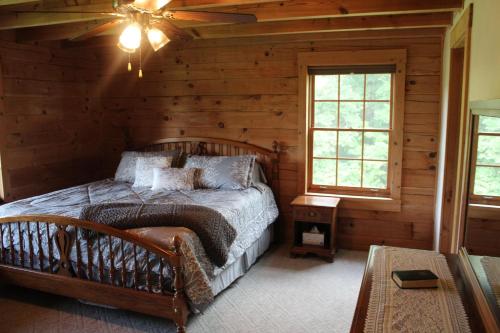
3,141
458,138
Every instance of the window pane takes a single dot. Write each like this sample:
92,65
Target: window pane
489,124
324,172
488,149
486,182
325,114
350,144
376,146
352,86
326,87
375,174
377,115
349,173
351,115
325,144
378,87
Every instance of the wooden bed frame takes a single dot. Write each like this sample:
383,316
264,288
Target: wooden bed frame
111,289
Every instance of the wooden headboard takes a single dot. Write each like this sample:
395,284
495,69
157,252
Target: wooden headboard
268,159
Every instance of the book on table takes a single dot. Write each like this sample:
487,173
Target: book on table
415,279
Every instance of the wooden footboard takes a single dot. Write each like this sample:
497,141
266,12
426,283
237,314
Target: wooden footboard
93,262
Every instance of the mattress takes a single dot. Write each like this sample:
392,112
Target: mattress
249,211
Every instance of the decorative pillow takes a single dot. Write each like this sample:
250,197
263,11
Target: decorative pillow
171,179
222,172
145,166
126,169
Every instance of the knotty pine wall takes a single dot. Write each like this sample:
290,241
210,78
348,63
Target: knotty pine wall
482,230
51,119
246,89
70,112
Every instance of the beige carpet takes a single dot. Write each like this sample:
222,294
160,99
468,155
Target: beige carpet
279,294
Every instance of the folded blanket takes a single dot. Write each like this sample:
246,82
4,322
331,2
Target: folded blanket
214,231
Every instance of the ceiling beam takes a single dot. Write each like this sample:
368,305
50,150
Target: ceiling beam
295,9
110,40
264,10
70,31
16,20
326,24
57,32
203,4
26,20
17,2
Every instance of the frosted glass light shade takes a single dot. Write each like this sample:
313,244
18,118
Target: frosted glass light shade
130,39
157,38
151,4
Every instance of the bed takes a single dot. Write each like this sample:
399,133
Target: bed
163,271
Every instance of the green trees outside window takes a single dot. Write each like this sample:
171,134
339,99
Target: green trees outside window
487,164
351,130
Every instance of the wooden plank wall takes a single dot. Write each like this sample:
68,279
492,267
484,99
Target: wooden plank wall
482,230
68,121
246,89
51,120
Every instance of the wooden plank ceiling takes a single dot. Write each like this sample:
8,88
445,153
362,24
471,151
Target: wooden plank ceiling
274,17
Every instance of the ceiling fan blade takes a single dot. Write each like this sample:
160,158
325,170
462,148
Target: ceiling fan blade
209,16
98,30
172,32
151,5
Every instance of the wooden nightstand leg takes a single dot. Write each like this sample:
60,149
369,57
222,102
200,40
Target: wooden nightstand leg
327,257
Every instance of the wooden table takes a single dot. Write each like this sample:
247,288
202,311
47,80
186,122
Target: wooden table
319,211
358,322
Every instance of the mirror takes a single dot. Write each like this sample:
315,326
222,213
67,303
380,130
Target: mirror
482,224
483,276
480,256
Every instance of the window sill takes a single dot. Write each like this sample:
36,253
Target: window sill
480,211
364,202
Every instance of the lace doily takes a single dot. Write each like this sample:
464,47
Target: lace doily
391,309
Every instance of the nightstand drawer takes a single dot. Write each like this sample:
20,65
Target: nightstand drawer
312,214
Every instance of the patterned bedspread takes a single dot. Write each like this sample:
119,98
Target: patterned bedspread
249,212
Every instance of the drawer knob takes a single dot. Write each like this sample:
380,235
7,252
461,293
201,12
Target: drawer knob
312,214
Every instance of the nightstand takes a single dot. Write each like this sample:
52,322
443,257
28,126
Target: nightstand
315,211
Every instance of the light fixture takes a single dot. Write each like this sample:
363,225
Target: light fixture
150,4
130,39
157,38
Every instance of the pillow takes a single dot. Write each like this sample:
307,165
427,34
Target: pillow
171,179
126,169
222,172
145,166
258,174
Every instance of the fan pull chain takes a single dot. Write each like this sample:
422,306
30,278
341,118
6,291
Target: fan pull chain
129,64
140,62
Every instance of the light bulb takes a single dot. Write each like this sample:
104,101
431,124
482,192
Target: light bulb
130,39
157,38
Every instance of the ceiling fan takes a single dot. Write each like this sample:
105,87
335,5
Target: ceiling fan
154,19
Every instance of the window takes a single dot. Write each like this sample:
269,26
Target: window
485,185
351,112
350,130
